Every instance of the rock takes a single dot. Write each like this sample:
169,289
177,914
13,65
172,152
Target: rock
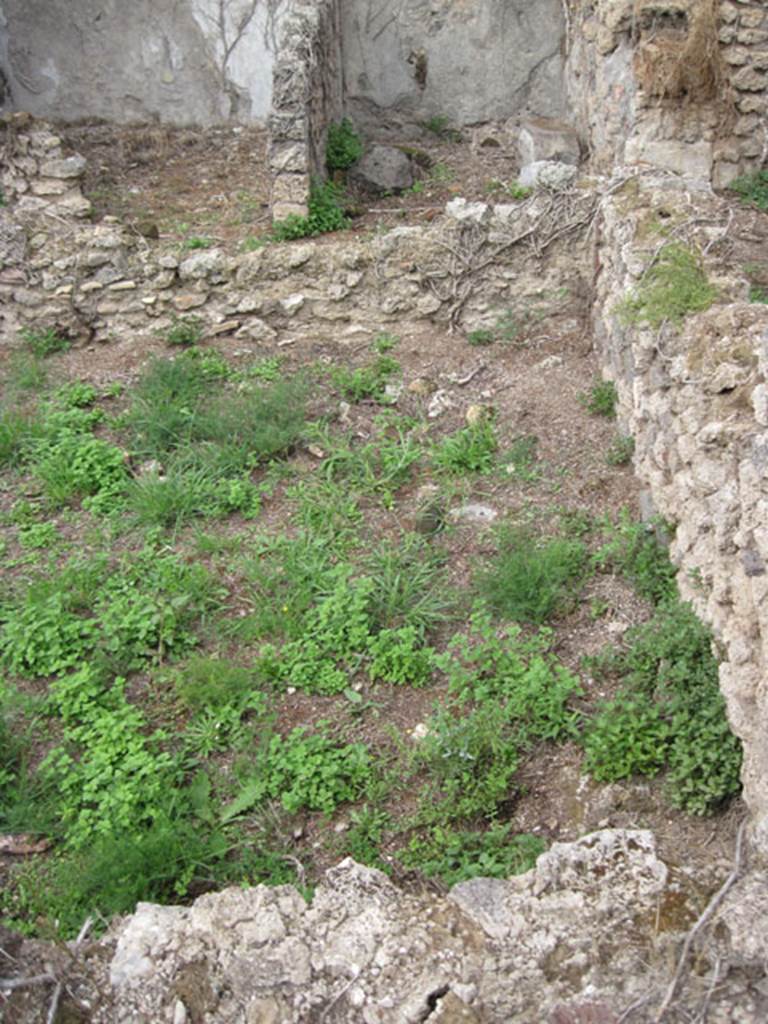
452,1010
439,403
473,512
477,414
542,139
292,304
383,169
463,211
65,167
547,174
200,265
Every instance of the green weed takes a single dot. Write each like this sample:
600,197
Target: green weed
620,451
184,330
482,336
44,341
303,771
531,579
601,399
752,189
456,856
469,450
343,146
365,382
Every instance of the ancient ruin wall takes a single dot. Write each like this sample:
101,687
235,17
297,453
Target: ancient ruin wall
696,402
678,84
188,62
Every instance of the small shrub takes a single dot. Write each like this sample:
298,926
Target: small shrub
343,147
532,579
601,399
752,189
674,286
44,341
184,330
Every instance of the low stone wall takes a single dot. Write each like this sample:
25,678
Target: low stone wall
306,98
96,282
696,402
588,933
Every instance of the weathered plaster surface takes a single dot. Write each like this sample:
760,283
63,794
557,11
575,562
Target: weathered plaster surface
172,60
466,61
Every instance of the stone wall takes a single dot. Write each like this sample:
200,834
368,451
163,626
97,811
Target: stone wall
678,84
696,402
98,281
179,61
466,62
307,97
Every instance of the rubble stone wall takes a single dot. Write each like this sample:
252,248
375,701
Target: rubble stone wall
696,402
666,84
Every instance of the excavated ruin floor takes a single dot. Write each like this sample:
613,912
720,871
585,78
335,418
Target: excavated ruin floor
209,187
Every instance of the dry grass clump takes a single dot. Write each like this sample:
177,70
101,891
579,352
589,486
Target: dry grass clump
678,53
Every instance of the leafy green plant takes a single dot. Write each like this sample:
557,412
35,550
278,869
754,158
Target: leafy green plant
343,146
673,286
531,579
469,450
514,672
44,341
384,343
671,713
398,656
471,760
325,214
752,189
601,399
757,293
456,856
79,465
184,330
304,771
628,736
